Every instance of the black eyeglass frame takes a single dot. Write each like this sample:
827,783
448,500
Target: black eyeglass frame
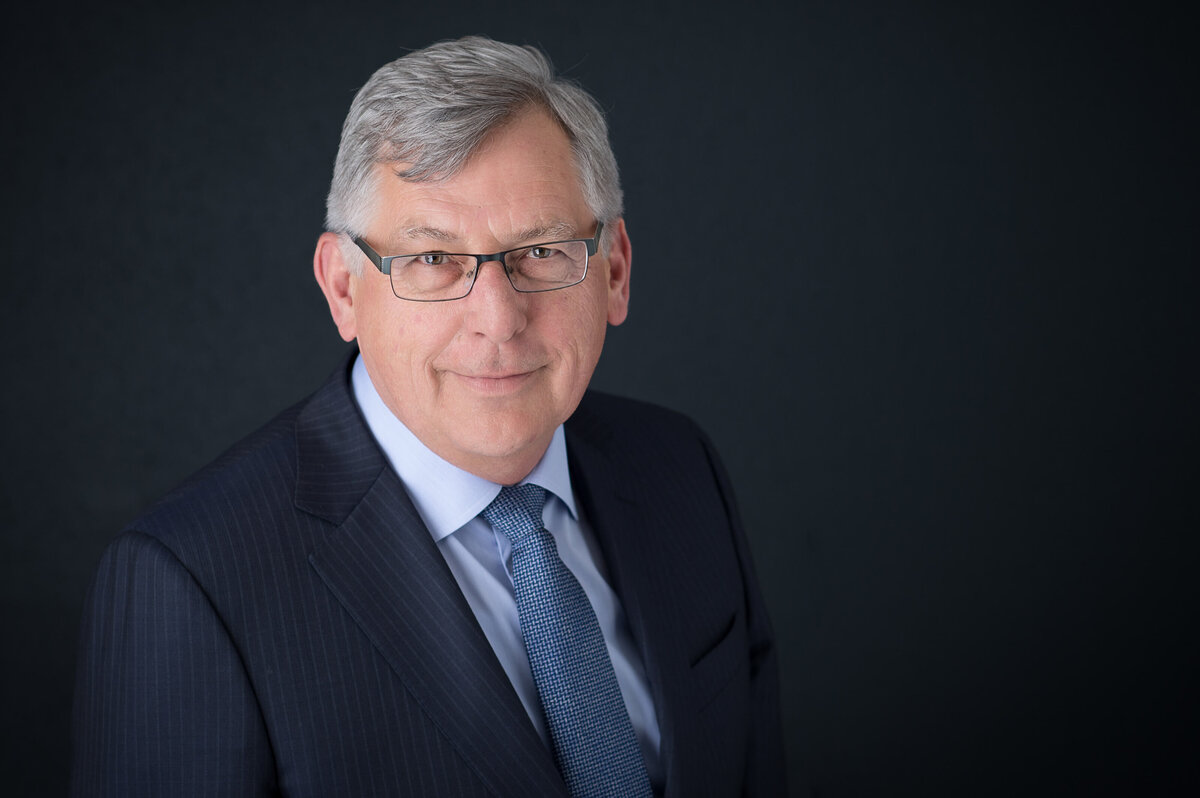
384,263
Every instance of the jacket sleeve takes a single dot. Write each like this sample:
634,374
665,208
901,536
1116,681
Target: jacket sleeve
765,775
163,705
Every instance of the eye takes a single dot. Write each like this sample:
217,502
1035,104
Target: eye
539,253
433,259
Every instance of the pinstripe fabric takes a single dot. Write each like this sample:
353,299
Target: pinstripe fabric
282,624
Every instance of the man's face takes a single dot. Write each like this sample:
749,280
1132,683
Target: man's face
484,381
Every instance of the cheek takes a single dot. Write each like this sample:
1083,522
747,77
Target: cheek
408,340
381,332
581,330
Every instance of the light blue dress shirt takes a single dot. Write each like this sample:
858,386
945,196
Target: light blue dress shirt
449,501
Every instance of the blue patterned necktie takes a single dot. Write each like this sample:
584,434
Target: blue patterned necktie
594,743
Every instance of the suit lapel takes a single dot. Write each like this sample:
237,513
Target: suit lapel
621,519
383,566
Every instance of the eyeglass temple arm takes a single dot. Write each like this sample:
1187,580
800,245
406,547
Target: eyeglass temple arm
594,241
372,255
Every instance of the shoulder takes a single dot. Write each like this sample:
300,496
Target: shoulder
259,471
269,478
639,437
251,495
604,416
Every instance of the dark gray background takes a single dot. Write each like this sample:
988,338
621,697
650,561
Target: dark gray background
926,272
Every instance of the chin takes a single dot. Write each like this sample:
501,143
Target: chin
502,434
499,443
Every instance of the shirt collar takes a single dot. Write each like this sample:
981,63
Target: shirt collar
445,496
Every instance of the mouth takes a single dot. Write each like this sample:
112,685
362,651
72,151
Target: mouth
495,384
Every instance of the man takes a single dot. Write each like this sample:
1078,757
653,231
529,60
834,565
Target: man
451,571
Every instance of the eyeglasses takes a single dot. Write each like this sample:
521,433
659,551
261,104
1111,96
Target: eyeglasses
444,276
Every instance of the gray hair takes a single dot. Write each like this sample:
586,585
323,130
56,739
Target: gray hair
433,108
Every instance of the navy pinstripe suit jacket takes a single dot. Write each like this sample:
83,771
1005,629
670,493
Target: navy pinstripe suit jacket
283,624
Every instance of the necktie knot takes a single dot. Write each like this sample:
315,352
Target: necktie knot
517,511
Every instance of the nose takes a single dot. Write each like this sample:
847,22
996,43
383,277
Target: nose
495,309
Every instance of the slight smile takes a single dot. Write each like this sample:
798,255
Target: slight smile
495,384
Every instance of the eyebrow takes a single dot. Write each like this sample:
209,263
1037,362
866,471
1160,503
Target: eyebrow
547,232
559,229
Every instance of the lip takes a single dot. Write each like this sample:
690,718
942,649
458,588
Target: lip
494,384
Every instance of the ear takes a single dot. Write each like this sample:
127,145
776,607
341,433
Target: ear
337,283
620,260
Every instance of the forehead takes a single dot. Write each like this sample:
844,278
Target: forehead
522,180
